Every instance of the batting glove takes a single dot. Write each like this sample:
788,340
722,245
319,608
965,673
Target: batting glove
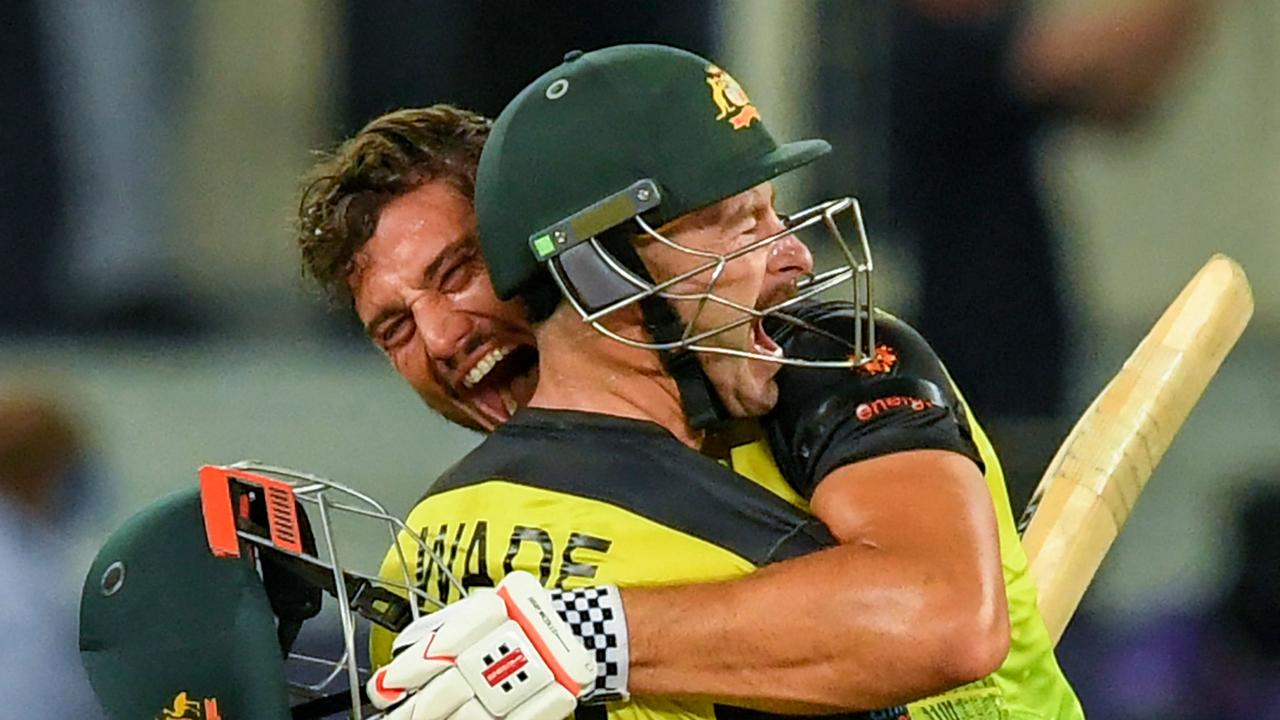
500,653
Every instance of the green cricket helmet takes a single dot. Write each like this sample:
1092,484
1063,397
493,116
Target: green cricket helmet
626,139
192,608
603,122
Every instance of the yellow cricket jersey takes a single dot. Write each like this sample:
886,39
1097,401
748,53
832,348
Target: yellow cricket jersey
580,499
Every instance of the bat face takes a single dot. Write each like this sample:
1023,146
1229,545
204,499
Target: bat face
1095,478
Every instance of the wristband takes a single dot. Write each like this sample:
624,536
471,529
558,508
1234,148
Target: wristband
595,617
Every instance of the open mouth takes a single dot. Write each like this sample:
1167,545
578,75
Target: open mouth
502,381
761,343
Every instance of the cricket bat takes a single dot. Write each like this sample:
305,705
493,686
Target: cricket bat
1090,487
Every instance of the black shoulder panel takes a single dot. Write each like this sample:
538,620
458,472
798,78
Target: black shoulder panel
640,467
827,418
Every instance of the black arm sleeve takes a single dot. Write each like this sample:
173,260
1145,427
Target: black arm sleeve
827,418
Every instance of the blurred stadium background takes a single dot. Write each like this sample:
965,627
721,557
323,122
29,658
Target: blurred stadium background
149,285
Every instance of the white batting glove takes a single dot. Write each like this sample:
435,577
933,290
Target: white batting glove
500,653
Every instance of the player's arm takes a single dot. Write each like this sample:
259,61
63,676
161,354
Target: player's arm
912,601
910,604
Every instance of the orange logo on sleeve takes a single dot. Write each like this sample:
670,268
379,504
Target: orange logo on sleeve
730,99
883,362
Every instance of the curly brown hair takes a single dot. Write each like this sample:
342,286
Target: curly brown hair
346,190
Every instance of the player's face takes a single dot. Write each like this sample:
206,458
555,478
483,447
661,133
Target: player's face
758,280
423,295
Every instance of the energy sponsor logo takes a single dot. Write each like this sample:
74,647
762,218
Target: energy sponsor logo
868,411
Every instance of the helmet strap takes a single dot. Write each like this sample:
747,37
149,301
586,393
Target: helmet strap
702,405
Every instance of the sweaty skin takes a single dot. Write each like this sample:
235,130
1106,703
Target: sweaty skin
424,298
758,279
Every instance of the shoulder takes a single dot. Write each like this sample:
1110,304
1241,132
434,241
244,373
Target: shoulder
635,467
904,366
825,331
901,399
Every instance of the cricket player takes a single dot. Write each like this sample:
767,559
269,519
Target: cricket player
604,488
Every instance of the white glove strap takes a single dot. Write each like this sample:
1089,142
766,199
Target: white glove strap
595,616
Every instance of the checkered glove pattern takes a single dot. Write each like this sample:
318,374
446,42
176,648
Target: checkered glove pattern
501,653
595,616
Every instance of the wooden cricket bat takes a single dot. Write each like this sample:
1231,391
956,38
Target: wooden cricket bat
1091,485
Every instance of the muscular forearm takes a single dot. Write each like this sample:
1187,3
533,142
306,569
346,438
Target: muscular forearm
850,628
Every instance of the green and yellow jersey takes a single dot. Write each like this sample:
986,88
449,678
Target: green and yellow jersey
581,499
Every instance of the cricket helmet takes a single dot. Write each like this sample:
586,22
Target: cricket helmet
166,626
626,139
192,608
